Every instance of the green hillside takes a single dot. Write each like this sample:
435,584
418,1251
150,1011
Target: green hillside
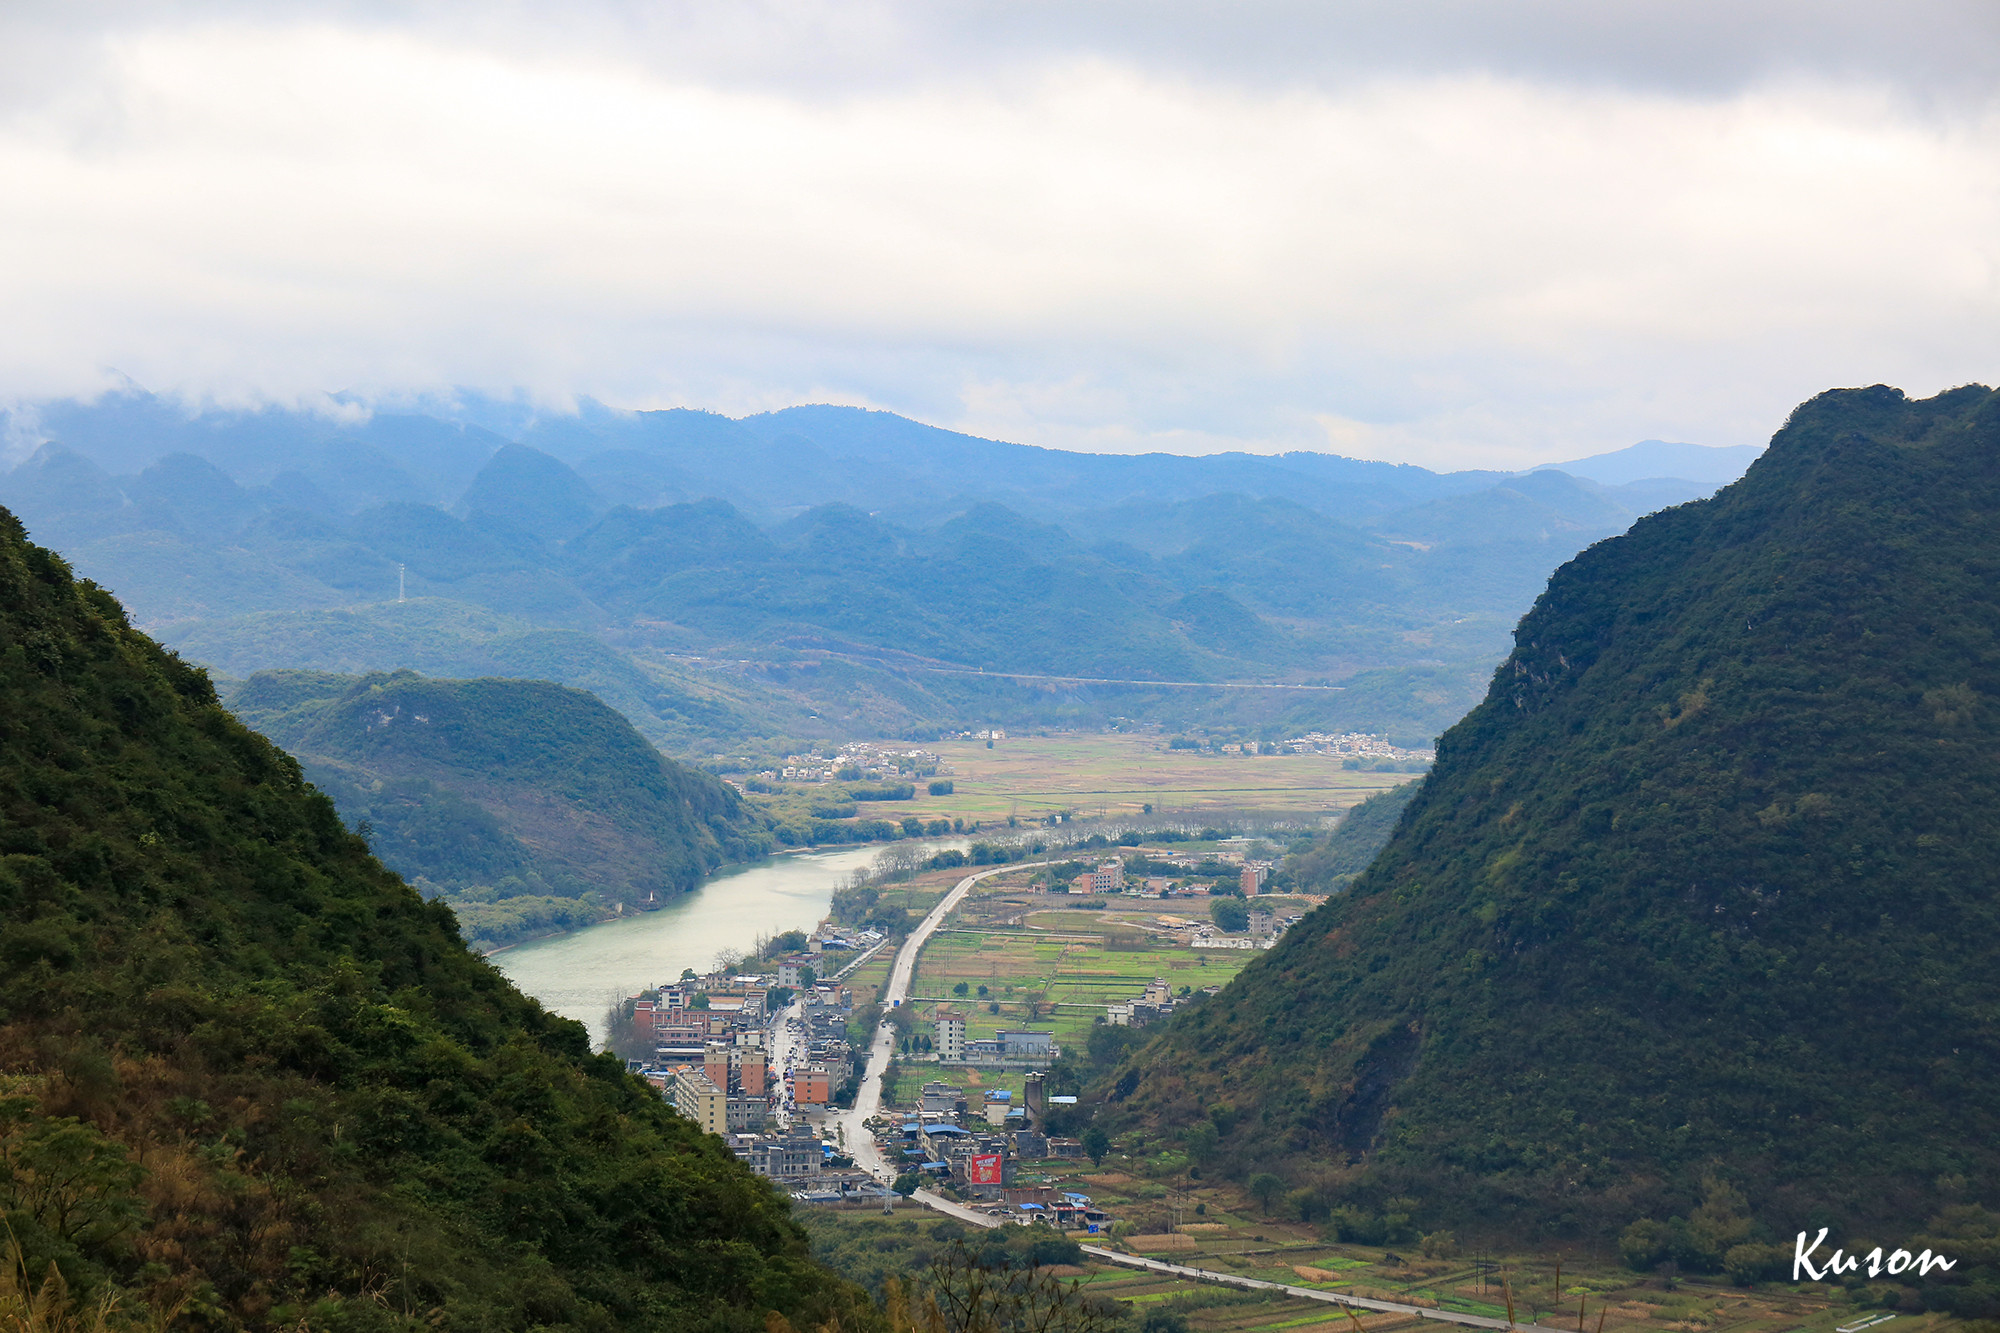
247,1073
1336,858
530,806
1705,888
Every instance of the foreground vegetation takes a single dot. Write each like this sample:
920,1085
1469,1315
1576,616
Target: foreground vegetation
247,1074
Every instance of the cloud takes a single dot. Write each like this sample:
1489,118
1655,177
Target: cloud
1073,228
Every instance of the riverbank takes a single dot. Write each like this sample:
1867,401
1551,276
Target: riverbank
580,974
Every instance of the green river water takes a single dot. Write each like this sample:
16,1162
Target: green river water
580,974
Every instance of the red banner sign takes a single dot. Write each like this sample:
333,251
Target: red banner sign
984,1170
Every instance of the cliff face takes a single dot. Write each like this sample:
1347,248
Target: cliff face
246,1070
1704,887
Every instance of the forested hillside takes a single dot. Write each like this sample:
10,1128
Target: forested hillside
248,1074
1701,899
529,806
816,571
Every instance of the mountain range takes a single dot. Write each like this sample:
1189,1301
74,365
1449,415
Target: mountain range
817,570
1693,929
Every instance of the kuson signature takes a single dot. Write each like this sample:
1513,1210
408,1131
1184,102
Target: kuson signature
1837,1264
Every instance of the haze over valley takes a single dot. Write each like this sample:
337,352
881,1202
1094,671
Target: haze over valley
819,571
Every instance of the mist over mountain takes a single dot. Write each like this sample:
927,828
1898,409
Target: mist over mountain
1702,892
815,570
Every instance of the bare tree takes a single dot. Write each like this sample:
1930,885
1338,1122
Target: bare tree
961,1295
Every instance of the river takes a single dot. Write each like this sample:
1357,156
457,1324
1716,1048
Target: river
578,975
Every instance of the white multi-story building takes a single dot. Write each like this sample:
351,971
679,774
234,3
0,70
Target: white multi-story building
950,1037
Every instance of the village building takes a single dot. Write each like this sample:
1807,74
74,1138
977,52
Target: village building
950,1040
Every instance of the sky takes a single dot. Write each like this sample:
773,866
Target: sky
1457,234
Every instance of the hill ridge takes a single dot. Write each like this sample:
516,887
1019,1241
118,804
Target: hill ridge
1704,884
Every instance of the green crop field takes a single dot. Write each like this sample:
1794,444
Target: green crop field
1072,979
1034,776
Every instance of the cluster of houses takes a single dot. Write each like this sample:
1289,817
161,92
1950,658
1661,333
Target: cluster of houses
1108,876
978,1145
1156,1002
710,1038
871,757
1356,745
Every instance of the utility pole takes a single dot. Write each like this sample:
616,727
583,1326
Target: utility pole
399,581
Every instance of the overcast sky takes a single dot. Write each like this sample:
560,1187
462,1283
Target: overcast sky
1460,234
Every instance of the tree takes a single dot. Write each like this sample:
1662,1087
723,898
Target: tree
1230,915
807,977
1264,1188
962,1294
1202,1139
906,1184
960,989
1096,1143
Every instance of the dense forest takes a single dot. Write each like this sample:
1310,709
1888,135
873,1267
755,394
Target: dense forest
1334,859
530,806
1693,926
247,1074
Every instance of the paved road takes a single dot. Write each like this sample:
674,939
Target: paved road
1119,1257
850,1125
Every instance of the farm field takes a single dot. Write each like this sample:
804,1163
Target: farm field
1032,777
1232,1237
1045,966
1069,979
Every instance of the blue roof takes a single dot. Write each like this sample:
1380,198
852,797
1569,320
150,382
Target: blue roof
1036,1206
1076,1198
949,1129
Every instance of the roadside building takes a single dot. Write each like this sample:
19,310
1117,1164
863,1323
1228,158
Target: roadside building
715,1062
941,1099
812,1086
1025,1045
697,1098
950,1037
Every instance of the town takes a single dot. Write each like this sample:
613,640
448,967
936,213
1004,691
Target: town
766,1053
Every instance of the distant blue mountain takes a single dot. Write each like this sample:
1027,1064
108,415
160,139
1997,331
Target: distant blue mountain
1717,465
790,540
